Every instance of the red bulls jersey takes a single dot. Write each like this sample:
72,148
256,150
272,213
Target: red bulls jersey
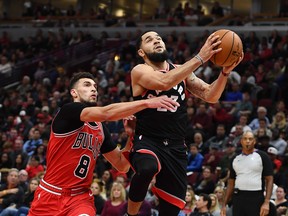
73,148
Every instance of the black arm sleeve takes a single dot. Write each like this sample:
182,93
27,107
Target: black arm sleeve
68,118
108,144
232,171
267,164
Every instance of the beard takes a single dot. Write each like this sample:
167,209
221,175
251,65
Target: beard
158,57
89,103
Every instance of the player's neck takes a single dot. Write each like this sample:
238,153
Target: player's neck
157,65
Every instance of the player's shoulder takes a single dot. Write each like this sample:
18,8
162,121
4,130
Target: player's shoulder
140,67
73,105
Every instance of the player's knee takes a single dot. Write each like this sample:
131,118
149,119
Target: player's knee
147,170
145,165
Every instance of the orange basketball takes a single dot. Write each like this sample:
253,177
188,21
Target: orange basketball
231,48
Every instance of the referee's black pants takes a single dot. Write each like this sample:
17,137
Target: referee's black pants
247,203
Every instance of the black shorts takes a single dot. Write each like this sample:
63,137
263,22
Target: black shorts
171,179
247,203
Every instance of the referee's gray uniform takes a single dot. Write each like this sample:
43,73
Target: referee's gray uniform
249,172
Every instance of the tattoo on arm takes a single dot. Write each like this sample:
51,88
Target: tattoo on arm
197,87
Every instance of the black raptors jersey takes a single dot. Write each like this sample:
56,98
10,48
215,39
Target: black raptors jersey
161,123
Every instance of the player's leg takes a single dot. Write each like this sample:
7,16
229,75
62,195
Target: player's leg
166,208
145,166
80,205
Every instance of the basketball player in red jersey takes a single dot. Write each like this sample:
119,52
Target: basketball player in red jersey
77,137
158,146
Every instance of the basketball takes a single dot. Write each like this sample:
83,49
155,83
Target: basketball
231,48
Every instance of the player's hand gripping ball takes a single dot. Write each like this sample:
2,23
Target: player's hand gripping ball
232,48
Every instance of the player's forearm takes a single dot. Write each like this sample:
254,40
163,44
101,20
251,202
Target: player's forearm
113,112
118,160
216,88
180,73
122,164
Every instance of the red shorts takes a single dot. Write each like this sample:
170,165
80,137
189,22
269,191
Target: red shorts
53,201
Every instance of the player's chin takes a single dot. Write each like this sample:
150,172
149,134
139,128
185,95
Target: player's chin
91,103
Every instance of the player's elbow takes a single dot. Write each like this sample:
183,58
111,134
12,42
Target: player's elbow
165,85
124,168
212,100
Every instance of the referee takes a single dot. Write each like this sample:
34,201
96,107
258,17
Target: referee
251,173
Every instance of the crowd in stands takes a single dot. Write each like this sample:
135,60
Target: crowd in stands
255,99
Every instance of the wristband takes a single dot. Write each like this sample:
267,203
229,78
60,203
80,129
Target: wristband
225,74
199,58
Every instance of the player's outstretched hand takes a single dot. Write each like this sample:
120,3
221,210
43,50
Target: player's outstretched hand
228,69
163,102
129,125
208,49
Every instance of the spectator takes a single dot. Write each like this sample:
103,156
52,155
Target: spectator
107,180
5,67
24,125
242,121
261,113
263,127
20,161
44,116
198,140
195,159
204,72
40,151
23,179
190,200
233,95
25,86
281,202
215,207
202,121
234,138
278,142
204,182
31,144
28,197
273,152
217,10
279,122
5,161
220,138
243,107
115,205
11,193
41,72
99,201
229,153
203,204
212,158
34,167
220,115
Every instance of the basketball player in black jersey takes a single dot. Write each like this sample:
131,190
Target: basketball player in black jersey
159,147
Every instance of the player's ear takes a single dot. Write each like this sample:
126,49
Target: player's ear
73,93
141,53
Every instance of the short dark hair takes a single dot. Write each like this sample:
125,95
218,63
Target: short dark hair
139,40
207,198
78,76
